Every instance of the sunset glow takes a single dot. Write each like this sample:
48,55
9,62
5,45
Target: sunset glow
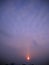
24,32
28,58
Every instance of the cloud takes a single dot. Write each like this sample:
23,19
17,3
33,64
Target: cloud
29,24
4,33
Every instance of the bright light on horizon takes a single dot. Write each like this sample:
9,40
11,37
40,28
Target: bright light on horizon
28,58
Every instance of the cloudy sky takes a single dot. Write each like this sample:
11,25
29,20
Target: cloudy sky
24,30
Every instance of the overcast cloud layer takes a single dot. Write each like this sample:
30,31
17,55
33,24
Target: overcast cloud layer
24,29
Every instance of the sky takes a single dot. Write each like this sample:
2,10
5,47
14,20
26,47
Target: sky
24,31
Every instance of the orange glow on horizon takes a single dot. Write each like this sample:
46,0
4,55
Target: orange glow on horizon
28,58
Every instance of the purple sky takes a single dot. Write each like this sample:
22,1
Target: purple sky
24,29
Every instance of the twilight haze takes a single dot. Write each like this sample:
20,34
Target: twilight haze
24,31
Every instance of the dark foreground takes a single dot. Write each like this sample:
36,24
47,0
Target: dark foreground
24,64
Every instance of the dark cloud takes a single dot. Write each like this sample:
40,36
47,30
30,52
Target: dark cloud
4,33
10,54
35,44
45,1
